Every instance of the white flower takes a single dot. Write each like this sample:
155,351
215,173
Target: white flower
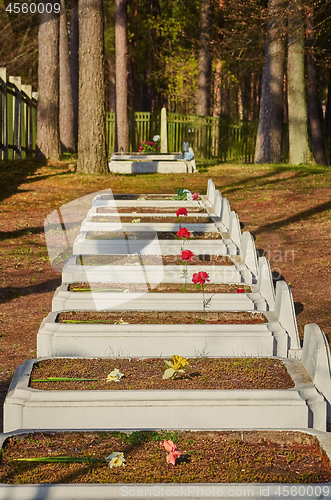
156,138
121,322
114,376
136,220
116,459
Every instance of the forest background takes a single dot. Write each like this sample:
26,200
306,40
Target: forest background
250,60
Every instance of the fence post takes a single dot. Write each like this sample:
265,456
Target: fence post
3,118
164,136
16,80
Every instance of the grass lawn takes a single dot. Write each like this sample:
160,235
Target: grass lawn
288,210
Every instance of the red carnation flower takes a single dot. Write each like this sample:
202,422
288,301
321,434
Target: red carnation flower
195,196
186,255
183,233
150,143
240,290
181,211
200,278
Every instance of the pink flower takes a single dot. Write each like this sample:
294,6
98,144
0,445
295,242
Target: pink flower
181,211
150,143
172,451
183,233
140,148
186,255
195,196
200,278
144,142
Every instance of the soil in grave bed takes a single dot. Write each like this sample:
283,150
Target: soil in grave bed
207,457
149,235
150,260
147,210
147,374
145,219
137,197
162,317
161,288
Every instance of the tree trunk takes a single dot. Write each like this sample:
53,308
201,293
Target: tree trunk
66,110
315,117
269,135
297,114
204,65
328,116
217,88
74,64
122,125
48,140
91,140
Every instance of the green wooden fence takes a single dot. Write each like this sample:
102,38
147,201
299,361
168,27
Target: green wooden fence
211,138
18,123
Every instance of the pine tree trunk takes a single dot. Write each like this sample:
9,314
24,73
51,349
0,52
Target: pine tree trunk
217,88
328,117
91,140
315,117
297,114
204,65
269,135
66,110
74,65
48,140
122,125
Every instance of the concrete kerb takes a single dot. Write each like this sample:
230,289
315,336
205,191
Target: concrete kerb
225,213
25,407
234,229
248,252
316,360
191,491
160,340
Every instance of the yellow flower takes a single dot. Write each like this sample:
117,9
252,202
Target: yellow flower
116,459
114,376
179,362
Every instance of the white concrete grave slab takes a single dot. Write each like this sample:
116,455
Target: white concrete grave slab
225,212
27,408
64,300
267,339
121,273
210,191
191,491
316,360
153,246
284,310
88,225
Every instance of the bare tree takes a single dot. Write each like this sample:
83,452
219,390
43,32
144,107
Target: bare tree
91,140
296,98
122,125
48,140
66,110
315,115
204,65
269,135
74,64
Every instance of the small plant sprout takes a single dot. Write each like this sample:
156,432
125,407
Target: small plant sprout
172,452
200,279
181,211
186,256
114,376
174,368
116,459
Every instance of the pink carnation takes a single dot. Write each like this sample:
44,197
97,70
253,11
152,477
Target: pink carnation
172,451
195,196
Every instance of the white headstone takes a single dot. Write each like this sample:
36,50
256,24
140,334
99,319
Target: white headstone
284,310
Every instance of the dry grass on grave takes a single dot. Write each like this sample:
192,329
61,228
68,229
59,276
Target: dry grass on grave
288,209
